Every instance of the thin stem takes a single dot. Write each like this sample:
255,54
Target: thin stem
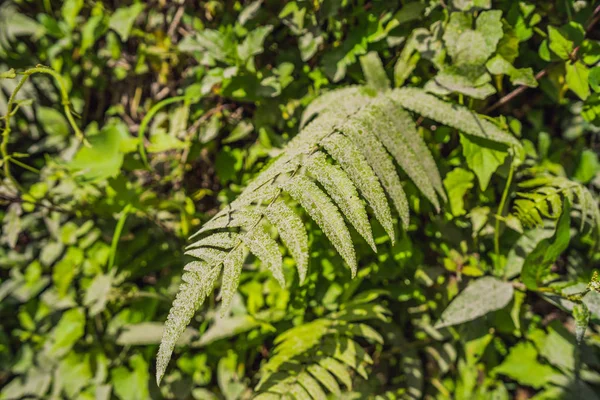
12,103
505,99
499,214
117,235
146,121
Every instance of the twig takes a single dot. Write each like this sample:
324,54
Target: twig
543,72
176,19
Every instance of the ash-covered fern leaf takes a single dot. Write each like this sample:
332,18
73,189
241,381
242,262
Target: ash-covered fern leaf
265,248
393,121
365,133
361,131
322,210
345,152
192,292
341,189
232,269
452,115
292,232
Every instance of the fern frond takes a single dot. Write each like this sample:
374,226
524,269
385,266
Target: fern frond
318,354
365,133
322,210
361,131
292,232
232,269
452,115
341,189
545,197
345,152
192,292
266,249
397,121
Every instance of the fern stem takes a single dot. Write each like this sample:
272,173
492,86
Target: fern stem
499,215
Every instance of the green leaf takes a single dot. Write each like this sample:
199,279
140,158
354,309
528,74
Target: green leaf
468,80
374,72
457,183
497,65
104,158
523,366
70,10
11,225
490,25
253,43
249,12
538,262
123,19
131,383
559,43
73,373
468,5
577,79
52,121
594,79
483,157
588,166
96,295
67,332
481,297
581,315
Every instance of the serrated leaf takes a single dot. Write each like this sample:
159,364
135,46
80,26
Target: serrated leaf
338,369
393,123
266,249
360,172
232,269
192,292
325,378
480,297
322,210
311,386
341,189
451,115
292,233
360,131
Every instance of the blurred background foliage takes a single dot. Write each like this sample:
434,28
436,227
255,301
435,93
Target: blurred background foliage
182,102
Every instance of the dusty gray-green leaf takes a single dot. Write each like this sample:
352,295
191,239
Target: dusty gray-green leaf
322,210
292,233
266,249
452,115
358,169
232,269
361,131
341,189
480,297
